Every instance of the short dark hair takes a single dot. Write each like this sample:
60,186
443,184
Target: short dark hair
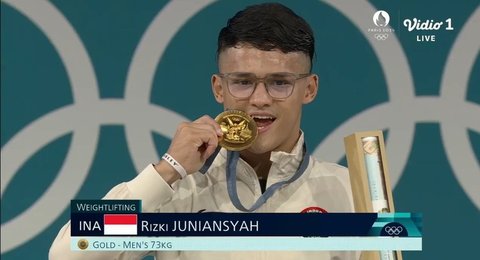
266,27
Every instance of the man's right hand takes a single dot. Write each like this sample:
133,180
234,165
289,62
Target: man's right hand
191,146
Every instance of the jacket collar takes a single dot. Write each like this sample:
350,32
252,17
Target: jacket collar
286,164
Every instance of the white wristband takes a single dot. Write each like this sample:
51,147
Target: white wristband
177,166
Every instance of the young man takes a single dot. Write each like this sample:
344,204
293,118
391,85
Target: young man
265,58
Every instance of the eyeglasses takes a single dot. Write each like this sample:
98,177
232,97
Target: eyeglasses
279,85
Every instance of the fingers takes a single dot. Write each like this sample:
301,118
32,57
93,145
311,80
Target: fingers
207,120
199,134
196,135
199,128
194,142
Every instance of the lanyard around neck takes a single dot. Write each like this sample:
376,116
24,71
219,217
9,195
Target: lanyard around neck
232,160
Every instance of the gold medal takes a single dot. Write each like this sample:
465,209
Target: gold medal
239,130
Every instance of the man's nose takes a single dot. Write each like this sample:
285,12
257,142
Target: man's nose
260,96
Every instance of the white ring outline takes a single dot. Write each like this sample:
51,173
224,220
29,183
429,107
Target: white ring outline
23,227
460,153
452,112
84,85
142,71
400,87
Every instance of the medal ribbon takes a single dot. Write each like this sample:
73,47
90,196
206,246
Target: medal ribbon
232,160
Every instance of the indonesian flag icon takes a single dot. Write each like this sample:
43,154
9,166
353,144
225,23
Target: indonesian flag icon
120,224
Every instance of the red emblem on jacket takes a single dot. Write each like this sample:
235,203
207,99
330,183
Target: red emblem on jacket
314,210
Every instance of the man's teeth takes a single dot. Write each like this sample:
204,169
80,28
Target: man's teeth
263,117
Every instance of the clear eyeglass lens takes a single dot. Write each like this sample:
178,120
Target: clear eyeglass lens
278,86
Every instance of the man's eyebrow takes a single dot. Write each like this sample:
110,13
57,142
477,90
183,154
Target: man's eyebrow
280,74
253,75
242,74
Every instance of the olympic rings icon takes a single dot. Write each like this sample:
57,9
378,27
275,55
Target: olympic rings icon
139,82
381,36
393,230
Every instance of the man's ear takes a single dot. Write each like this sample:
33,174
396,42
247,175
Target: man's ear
311,89
217,88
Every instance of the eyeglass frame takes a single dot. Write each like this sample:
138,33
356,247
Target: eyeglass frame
262,79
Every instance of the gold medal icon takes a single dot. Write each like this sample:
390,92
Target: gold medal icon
239,130
82,244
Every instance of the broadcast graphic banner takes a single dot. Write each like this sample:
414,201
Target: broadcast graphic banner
120,225
110,218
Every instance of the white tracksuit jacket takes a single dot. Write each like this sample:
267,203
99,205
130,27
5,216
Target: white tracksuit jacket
324,185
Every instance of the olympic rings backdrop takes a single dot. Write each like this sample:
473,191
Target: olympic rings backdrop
92,91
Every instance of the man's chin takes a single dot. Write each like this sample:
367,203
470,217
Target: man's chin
260,147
